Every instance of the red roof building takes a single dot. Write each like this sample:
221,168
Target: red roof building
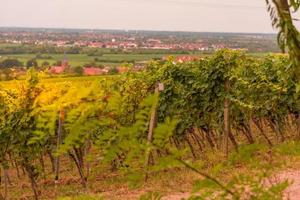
94,71
122,70
56,69
60,69
183,59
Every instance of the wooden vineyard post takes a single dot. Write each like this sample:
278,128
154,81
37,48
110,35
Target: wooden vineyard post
298,126
1,196
226,119
3,176
152,125
58,143
87,152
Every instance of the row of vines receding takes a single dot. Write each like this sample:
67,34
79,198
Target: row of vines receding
145,121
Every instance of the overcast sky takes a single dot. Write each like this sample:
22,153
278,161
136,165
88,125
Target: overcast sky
178,15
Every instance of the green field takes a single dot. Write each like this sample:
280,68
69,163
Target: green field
82,59
74,59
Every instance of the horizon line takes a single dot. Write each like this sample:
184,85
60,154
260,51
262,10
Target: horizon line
132,30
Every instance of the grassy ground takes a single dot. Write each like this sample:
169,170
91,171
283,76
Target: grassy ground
106,59
172,184
81,59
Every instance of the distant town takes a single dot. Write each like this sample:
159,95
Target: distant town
139,39
100,52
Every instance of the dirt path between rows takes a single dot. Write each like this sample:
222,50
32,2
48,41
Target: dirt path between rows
292,193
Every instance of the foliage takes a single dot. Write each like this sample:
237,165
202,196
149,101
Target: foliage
110,117
10,62
151,196
248,154
288,148
288,35
31,63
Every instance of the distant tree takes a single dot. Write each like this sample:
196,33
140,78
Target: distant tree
113,70
73,50
32,63
45,64
78,70
11,62
58,63
91,64
101,66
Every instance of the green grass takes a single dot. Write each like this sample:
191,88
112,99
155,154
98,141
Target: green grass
106,59
82,59
74,59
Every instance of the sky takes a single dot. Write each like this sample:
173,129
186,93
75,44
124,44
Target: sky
171,15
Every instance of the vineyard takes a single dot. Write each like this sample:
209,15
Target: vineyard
140,124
